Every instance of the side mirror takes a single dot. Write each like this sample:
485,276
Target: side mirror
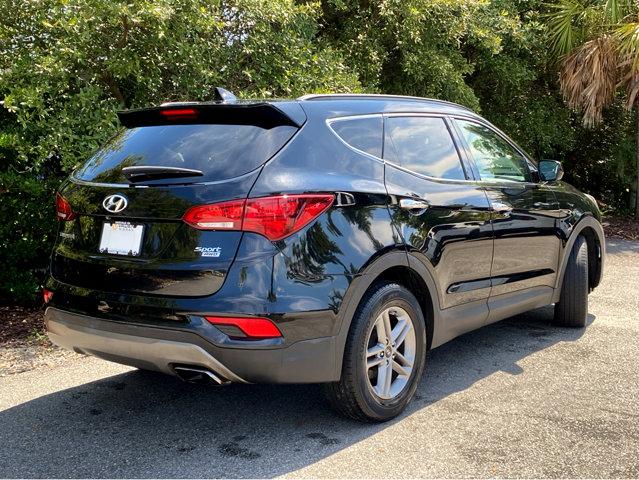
551,170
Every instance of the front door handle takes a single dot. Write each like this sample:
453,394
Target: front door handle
502,208
413,204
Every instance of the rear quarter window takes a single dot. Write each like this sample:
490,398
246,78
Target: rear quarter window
220,151
364,133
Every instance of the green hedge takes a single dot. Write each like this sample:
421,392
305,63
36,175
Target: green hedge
27,230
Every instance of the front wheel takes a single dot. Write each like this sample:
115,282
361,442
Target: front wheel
572,308
384,356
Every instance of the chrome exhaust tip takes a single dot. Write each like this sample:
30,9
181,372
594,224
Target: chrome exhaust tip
199,375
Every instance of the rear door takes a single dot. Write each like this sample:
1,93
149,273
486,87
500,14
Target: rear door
443,217
524,213
127,234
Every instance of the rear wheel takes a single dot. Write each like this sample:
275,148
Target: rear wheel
572,308
384,356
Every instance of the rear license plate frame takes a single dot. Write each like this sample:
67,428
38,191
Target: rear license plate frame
121,238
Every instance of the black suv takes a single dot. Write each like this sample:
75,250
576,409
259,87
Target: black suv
330,239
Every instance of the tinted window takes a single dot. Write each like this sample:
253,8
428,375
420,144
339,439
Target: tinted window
220,151
364,134
423,145
494,156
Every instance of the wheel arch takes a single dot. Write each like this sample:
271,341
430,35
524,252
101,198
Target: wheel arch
590,228
392,266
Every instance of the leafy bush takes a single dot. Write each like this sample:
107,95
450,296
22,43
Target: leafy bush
66,67
27,228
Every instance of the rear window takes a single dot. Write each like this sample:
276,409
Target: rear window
423,145
219,151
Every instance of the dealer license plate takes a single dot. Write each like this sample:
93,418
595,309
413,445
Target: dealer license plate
121,238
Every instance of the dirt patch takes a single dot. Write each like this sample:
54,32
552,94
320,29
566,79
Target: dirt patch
19,324
23,342
621,227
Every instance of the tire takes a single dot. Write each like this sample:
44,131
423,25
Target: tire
572,308
361,393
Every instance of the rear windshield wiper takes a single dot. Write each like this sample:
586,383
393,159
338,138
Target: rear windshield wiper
152,172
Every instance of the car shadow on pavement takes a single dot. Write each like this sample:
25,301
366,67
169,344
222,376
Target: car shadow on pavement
142,424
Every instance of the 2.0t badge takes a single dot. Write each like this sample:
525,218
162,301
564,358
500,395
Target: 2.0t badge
115,203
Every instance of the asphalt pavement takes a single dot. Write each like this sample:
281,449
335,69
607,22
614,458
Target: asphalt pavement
520,398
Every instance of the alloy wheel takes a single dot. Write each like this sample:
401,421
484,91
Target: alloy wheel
390,353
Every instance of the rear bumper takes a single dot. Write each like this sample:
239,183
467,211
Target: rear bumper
161,349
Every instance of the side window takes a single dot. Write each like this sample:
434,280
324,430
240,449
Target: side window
495,157
422,145
364,134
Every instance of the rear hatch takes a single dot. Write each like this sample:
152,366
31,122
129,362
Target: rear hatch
121,212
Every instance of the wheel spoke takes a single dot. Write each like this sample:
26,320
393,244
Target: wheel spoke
373,362
399,369
372,356
388,380
387,325
384,379
400,331
402,360
375,350
381,330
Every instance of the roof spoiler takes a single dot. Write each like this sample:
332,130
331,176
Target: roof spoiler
260,114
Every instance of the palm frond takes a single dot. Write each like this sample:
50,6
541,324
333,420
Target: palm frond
629,80
588,78
615,10
563,20
627,37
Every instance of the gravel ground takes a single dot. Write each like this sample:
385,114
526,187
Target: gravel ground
30,355
520,398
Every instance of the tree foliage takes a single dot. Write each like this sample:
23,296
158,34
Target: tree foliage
597,46
67,66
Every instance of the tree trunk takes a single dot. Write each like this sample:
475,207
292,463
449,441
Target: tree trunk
113,87
637,172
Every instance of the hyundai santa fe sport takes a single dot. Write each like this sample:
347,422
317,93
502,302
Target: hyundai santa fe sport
330,239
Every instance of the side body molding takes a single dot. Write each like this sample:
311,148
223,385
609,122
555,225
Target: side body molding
442,325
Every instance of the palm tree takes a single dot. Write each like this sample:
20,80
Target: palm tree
597,45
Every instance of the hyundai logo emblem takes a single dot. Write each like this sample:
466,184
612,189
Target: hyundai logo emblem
115,203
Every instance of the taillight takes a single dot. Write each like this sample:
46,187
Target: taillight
281,216
218,216
64,212
274,217
179,113
253,327
47,295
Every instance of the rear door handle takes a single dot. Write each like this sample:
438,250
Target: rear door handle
413,204
543,205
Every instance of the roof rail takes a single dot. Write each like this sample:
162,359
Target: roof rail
172,104
374,96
